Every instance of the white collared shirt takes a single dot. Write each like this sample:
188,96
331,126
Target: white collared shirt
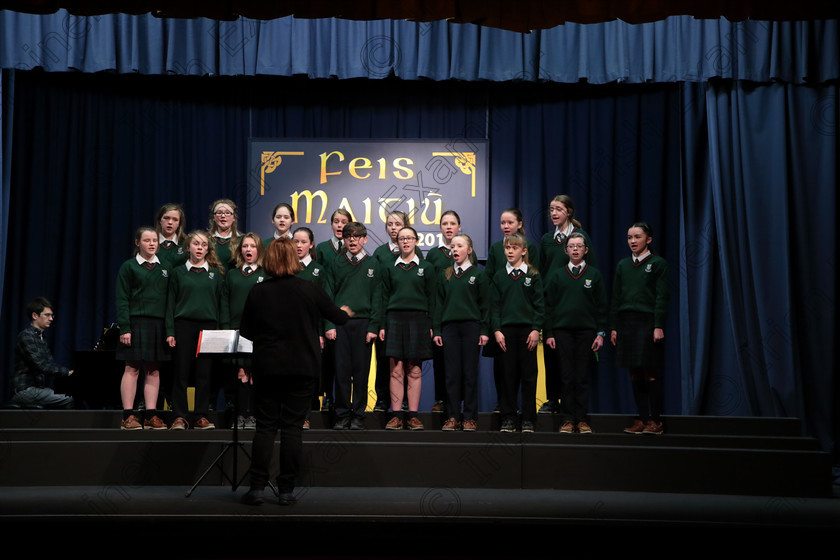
582,265
288,234
415,260
361,254
641,257
306,260
252,266
567,231
141,260
335,241
523,267
161,238
464,267
190,265
393,247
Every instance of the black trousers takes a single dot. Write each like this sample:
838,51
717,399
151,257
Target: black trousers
187,366
520,374
461,352
281,403
352,360
575,361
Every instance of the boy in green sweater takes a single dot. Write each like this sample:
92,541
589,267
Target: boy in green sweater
353,282
576,316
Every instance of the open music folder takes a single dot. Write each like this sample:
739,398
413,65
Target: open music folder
223,342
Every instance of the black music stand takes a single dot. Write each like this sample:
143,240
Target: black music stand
227,344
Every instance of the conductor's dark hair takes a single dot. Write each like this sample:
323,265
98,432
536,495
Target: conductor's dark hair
281,258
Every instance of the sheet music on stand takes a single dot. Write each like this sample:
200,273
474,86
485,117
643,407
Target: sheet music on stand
223,342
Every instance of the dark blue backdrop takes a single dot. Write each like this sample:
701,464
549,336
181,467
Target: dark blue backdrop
738,178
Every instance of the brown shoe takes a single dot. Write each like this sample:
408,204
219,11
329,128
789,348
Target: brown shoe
469,425
583,428
131,423
414,423
567,428
451,425
154,423
438,406
637,427
179,424
394,424
653,427
204,424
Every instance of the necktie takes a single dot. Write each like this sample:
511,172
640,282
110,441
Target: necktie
459,271
354,260
575,270
560,237
247,270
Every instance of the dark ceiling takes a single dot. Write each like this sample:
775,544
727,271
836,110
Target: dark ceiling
514,15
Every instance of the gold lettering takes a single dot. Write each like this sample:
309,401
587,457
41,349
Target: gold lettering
367,204
310,196
438,210
354,166
324,157
409,173
386,205
345,204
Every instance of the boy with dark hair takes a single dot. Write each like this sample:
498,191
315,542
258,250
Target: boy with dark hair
353,282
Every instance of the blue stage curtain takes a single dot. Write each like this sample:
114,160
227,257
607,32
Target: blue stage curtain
677,49
758,269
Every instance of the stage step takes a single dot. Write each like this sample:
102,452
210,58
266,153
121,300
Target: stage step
750,456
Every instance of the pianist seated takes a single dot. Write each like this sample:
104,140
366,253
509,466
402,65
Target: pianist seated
34,363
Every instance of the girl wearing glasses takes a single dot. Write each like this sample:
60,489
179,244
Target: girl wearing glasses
408,301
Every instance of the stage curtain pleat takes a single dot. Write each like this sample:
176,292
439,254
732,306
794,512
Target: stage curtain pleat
676,49
759,240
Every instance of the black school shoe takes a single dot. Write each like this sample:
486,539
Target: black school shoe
253,497
286,499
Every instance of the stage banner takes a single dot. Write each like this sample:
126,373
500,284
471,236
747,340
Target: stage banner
369,179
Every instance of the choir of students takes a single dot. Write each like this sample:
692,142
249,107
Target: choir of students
408,309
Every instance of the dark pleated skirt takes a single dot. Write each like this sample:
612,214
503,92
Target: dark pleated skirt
635,347
148,342
407,335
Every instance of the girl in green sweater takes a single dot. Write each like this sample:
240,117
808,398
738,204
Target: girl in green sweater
169,224
408,299
194,304
441,258
461,325
224,231
239,280
637,322
516,318
142,285
282,218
